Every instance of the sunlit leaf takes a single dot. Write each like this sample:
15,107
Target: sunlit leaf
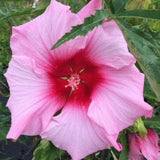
139,127
146,50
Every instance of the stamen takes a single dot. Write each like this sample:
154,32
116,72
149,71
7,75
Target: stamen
81,71
64,78
82,81
71,69
73,81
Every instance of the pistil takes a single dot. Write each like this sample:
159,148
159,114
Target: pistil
73,81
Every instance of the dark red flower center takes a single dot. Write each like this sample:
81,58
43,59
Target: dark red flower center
75,79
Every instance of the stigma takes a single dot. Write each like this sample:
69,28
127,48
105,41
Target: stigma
73,81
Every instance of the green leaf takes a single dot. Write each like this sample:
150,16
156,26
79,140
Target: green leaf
143,14
148,93
108,4
4,128
5,15
113,154
146,50
152,123
4,121
124,142
82,29
46,151
9,158
119,5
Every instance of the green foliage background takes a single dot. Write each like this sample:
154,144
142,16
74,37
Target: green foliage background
141,29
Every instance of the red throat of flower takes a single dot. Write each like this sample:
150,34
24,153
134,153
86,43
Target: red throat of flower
75,79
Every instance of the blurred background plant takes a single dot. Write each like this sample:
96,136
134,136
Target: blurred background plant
17,12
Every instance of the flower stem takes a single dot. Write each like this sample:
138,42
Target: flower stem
92,157
102,155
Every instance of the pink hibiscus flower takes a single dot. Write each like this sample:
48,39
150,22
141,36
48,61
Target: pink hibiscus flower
80,95
141,148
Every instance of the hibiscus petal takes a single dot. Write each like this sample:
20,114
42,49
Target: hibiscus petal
73,131
119,102
35,38
30,97
149,145
134,148
90,8
109,47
